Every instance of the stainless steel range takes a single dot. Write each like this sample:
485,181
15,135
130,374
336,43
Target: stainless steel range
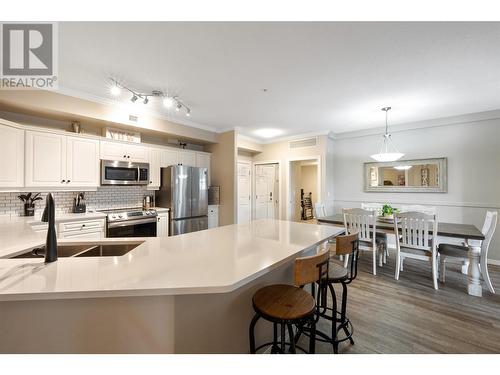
130,222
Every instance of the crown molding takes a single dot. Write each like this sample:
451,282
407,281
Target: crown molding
430,123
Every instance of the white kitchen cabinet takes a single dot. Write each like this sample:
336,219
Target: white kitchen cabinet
169,157
45,163
187,158
83,229
11,156
154,167
82,162
55,160
203,161
123,151
162,224
213,216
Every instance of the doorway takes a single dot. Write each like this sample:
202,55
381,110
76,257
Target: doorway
304,189
266,191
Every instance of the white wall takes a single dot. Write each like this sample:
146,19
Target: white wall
473,152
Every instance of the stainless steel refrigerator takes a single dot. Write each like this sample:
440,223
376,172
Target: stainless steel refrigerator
184,190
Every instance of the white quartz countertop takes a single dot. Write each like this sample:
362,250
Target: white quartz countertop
17,235
216,260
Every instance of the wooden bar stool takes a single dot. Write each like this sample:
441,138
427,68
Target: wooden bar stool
337,274
289,305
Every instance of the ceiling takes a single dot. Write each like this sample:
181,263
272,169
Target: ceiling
319,77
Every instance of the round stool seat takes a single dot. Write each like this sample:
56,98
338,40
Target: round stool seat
336,272
283,302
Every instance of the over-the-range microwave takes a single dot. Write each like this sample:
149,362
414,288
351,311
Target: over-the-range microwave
115,172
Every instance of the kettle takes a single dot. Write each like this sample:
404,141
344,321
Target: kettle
147,202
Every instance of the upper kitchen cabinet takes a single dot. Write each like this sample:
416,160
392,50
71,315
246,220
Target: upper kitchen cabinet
187,158
45,160
169,157
55,160
11,157
82,161
155,159
203,161
123,151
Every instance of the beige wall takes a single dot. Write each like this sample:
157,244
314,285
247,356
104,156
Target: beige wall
309,176
224,174
280,152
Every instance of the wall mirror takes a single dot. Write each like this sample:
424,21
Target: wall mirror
407,176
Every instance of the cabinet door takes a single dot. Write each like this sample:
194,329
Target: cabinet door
137,153
45,160
162,225
112,151
82,161
203,161
11,157
154,167
187,158
169,157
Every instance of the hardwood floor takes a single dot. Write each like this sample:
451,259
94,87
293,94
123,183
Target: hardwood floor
409,316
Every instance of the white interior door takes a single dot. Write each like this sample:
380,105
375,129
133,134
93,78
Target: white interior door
244,193
266,191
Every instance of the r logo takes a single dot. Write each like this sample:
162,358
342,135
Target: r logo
27,49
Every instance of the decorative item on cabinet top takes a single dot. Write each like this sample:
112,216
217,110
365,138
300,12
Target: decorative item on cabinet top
121,135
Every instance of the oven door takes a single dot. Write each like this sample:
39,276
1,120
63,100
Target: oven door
124,173
132,228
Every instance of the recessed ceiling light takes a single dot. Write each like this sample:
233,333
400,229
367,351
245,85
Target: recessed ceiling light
268,132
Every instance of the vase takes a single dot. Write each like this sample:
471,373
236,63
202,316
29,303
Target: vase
29,209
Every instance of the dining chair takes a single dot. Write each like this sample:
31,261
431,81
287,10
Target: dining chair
365,223
390,243
430,210
319,210
414,240
458,253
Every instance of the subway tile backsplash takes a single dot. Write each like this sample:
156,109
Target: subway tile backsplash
105,197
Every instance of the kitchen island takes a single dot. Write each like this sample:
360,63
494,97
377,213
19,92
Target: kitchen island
184,294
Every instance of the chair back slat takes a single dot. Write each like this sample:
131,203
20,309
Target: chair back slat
417,230
311,269
361,221
489,226
343,244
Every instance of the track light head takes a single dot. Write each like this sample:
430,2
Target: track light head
134,98
115,90
146,100
188,113
168,102
178,108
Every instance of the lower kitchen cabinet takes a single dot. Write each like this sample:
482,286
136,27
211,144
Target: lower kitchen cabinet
162,224
213,216
76,229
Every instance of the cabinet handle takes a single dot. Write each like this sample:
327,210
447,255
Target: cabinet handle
68,181
124,156
83,225
63,181
128,157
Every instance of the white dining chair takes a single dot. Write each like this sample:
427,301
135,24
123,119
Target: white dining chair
364,222
390,241
458,253
430,210
319,210
414,240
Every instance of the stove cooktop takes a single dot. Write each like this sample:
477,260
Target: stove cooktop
119,214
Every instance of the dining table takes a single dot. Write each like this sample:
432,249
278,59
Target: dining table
466,232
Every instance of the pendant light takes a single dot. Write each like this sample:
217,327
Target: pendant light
388,151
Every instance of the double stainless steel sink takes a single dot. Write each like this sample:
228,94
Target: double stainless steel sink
91,250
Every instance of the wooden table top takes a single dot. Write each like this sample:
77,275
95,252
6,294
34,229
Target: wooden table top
466,231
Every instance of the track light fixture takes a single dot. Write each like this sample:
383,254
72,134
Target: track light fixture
167,101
